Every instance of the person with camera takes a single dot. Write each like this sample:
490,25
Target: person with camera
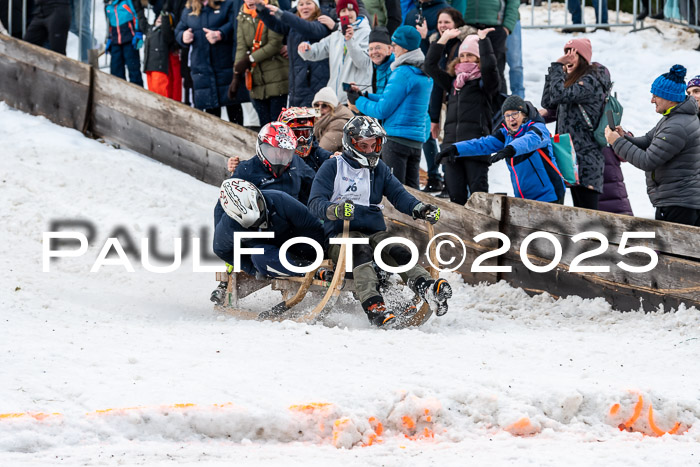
346,50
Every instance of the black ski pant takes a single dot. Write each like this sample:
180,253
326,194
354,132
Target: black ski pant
585,197
679,215
235,113
464,177
404,162
50,24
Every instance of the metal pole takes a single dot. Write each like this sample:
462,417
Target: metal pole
9,17
80,29
24,17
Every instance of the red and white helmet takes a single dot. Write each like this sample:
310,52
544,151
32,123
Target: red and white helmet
301,120
275,147
243,202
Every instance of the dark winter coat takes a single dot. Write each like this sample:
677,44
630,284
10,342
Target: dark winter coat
271,70
160,40
287,218
670,156
589,92
305,78
469,110
317,156
430,9
211,65
449,52
295,181
368,219
531,175
614,198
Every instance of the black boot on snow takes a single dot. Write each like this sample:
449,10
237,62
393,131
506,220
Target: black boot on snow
324,274
377,313
435,292
433,186
219,294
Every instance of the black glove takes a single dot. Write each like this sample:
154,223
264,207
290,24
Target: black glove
428,212
505,153
448,155
260,7
233,87
344,211
353,96
242,65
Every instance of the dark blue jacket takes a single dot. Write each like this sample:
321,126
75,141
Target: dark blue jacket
381,74
295,181
211,65
531,175
403,107
317,156
305,78
287,218
368,219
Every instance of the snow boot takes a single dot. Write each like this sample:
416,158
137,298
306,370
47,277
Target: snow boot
434,292
324,274
377,313
219,294
433,185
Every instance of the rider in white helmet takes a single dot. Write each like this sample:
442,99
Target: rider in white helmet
242,207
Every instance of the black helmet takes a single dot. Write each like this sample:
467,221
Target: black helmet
359,128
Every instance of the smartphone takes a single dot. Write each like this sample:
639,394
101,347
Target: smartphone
344,23
611,119
346,87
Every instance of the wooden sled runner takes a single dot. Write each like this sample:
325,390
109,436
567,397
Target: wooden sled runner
294,289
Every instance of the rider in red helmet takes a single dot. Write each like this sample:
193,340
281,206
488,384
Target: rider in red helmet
277,166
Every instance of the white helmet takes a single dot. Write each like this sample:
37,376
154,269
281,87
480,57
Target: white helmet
243,203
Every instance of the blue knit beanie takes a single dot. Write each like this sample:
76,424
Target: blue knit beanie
408,37
671,85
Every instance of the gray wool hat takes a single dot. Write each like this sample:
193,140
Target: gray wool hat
514,103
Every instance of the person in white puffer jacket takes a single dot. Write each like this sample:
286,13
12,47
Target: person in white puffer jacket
347,54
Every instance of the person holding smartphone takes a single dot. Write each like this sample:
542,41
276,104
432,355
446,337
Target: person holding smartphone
345,48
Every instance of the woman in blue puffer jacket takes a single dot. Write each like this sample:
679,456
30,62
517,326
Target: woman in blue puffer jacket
525,143
305,78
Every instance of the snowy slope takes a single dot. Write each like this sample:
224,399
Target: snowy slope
502,379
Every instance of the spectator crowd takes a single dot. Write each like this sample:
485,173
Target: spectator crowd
431,73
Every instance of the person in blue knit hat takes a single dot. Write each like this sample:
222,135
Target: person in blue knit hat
403,106
670,152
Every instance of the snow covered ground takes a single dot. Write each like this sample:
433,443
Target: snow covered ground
502,379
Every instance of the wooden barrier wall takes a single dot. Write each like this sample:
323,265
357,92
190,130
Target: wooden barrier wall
71,94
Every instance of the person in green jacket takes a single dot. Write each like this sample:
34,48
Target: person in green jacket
268,69
498,14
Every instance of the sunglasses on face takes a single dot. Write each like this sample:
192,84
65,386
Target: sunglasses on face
321,106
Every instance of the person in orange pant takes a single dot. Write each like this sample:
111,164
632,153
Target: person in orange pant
162,58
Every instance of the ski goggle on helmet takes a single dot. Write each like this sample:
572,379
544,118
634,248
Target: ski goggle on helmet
275,147
243,202
363,139
301,120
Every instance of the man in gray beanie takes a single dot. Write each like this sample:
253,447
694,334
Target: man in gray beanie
670,152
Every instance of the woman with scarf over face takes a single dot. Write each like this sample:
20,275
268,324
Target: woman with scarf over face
473,83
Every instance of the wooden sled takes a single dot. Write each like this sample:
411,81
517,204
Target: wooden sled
294,289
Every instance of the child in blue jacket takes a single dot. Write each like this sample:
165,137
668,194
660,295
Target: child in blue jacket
125,38
524,141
